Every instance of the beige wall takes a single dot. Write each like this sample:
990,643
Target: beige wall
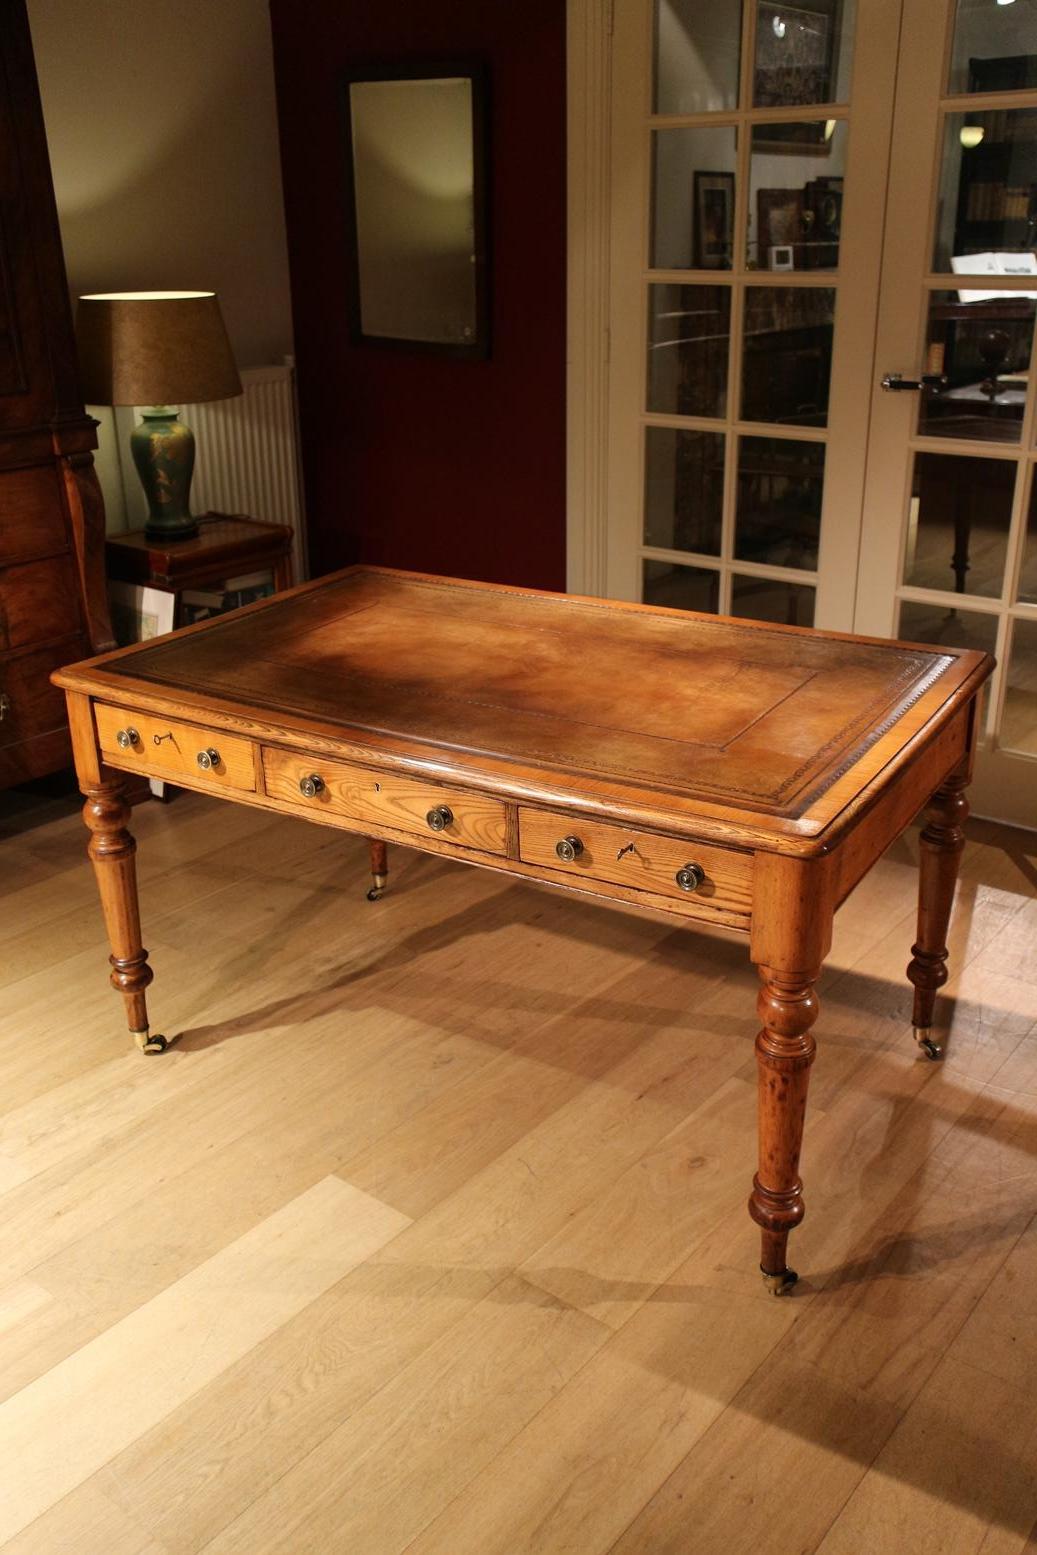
162,130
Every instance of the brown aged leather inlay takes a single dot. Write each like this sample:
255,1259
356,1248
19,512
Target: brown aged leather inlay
687,705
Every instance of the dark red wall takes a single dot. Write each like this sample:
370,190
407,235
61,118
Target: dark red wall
415,460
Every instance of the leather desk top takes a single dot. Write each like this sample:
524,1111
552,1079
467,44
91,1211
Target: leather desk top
772,731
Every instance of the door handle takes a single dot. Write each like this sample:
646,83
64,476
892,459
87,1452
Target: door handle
897,383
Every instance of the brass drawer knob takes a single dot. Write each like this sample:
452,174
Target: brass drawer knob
207,759
569,849
126,738
311,786
440,818
690,876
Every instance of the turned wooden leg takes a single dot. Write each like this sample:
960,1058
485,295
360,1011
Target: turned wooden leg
112,851
941,847
784,1053
379,869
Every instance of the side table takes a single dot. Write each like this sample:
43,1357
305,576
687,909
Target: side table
226,546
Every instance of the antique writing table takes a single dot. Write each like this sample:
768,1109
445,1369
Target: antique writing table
727,772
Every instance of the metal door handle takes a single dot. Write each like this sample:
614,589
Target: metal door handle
897,383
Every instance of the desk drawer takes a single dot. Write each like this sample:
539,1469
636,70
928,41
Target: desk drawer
167,749
641,860
385,799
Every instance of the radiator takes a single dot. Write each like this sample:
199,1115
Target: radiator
247,458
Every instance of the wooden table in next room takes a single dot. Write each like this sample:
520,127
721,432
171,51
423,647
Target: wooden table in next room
729,773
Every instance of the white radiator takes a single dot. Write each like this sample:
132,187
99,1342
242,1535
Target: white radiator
246,460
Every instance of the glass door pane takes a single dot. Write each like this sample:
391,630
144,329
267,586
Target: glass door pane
796,185
980,342
803,53
958,524
697,55
992,48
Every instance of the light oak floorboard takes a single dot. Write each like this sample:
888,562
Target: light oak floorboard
382,1476
84,1523
509,1139
60,1429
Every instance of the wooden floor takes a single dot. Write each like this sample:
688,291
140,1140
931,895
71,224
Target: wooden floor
430,1234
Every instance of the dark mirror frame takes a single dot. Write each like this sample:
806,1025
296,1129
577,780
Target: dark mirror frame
423,70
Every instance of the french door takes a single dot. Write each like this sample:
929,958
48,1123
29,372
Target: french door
748,182
789,186
949,544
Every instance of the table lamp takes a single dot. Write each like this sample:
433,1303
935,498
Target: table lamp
162,350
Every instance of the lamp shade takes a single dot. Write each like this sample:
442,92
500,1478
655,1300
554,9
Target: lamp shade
154,348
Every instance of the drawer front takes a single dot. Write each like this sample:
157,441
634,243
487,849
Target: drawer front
641,860
32,514
31,705
39,601
386,799
165,748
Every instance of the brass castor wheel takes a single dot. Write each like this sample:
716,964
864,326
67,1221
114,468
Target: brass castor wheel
780,1284
377,891
151,1041
924,1038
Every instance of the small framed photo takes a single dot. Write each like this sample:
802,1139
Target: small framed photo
139,613
780,257
713,221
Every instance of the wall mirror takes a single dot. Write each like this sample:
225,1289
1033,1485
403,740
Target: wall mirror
416,202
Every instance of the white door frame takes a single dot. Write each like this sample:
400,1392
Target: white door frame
588,111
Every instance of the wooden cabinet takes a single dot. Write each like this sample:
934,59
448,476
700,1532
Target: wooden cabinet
52,596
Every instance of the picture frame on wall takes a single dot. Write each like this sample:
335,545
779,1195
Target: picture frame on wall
713,219
794,65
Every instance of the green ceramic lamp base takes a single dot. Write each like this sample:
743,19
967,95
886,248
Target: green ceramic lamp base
163,452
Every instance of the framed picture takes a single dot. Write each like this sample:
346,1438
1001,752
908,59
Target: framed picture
794,66
139,613
713,220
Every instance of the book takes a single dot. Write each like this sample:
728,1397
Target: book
991,263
